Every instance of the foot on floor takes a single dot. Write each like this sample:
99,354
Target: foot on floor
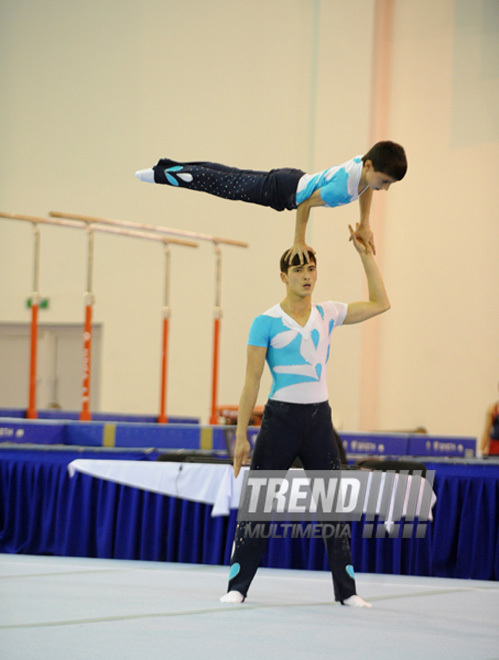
232,597
356,601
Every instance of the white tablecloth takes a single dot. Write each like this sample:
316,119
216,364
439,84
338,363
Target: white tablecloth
199,482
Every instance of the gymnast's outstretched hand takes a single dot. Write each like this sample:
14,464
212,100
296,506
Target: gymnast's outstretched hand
363,234
299,248
360,244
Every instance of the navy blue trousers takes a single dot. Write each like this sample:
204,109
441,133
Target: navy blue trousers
276,188
291,431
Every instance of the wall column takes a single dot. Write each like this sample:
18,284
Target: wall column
378,130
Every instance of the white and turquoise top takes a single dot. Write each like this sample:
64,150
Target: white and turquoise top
338,185
297,355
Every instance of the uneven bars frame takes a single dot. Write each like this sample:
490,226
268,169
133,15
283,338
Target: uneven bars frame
148,227
31,412
85,414
217,310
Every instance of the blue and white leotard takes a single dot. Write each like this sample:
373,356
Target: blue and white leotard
297,355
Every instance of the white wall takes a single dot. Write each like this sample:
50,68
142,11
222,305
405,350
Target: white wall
92,93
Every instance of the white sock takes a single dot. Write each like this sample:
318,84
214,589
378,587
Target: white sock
145,175
356,601
232,597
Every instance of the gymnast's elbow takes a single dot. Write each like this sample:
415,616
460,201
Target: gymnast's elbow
380,307
385,306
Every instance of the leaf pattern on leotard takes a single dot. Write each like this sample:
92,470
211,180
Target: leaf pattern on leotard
176,170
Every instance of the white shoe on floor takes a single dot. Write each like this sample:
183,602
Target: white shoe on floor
232,597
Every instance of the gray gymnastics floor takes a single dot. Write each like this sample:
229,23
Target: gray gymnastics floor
72,608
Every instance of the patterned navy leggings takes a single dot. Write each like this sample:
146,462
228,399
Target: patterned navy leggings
276,188
288,431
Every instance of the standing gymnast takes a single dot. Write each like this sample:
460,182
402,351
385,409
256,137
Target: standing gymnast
294,338
288,188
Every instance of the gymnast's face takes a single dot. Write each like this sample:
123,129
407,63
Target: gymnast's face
377,180
301,279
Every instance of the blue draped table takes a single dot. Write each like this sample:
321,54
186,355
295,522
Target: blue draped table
44,511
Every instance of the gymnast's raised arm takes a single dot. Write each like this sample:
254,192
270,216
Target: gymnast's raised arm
378,298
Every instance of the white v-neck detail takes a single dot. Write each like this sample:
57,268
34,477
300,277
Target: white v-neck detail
301,328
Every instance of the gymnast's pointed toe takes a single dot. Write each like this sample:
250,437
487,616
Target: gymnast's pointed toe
145,175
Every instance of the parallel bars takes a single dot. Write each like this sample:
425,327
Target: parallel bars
217,311
85,413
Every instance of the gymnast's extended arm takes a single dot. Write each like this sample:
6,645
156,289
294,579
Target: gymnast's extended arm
363,232
302,215
378,299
